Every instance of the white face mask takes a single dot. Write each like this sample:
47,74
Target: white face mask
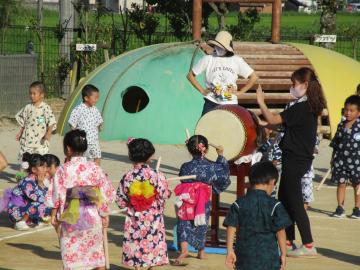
220,51
297,92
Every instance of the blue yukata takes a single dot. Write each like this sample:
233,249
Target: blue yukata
259,217
28,198
215,174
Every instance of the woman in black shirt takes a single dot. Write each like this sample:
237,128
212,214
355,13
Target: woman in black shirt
300,125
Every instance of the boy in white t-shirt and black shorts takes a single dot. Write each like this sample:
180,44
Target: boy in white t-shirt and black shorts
222,69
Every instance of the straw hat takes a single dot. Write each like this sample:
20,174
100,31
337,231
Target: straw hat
223,39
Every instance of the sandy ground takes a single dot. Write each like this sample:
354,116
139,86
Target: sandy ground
337,240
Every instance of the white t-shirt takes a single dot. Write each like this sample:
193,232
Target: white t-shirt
220,73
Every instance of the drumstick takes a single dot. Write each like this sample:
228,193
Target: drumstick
106,249
323,180
187,133
158,164
186,177
213,145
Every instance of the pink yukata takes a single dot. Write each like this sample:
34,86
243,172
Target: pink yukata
82,248
144,242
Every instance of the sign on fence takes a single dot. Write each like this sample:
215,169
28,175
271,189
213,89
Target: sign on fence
85,47
325,38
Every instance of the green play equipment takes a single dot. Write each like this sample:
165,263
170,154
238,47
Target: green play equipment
145,93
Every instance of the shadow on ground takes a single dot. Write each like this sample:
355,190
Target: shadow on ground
37,250
340,256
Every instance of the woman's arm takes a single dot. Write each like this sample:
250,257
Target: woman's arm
192,79
271,118
252,80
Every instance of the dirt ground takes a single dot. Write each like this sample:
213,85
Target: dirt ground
337,240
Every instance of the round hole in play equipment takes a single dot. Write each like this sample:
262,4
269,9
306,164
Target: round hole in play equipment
134,99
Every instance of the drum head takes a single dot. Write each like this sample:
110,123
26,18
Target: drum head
224,128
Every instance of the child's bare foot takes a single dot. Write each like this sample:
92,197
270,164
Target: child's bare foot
201,254
179,261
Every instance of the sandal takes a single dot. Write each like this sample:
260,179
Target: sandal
177,262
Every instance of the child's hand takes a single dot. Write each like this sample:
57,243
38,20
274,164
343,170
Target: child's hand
283,262
54,222
220,150
230,259
18,136
105,221
47,137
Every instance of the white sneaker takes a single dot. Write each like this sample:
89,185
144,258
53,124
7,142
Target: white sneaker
21,226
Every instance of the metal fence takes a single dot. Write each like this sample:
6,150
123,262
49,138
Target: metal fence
22,39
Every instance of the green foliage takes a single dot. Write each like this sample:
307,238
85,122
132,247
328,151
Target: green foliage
245,24
143,24
8,9
63,68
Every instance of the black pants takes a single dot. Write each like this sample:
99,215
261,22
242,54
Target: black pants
208,106
290,195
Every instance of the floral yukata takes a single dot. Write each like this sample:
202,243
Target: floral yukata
28,198
35,120
82,248
144,242
215,174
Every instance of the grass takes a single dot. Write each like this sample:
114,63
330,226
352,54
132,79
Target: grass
299,26
288,20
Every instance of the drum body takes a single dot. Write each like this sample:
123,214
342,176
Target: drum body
231,126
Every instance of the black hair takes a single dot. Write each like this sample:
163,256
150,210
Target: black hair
140,150
34,160
353,100
88,90
38,85
192,145
76,141
262,173
358,89
51,160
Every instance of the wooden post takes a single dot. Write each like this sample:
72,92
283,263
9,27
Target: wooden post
197,18
275,24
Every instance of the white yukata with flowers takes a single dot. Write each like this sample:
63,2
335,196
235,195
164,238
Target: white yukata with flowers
88,119
82,249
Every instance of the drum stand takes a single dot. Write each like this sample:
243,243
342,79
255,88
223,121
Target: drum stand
240,171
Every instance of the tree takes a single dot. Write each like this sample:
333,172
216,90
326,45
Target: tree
143,24
8,8
221,11
353,31
246,23
328,20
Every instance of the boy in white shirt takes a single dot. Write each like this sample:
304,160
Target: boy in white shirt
88,118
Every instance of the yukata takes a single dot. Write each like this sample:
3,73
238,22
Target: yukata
88,119
345,162
35,120
82,248
215,174
144,242
28,198
259,217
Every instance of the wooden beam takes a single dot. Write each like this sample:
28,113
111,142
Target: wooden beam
197,19
239,1
275,21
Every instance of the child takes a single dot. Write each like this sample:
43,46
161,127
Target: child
37,123
262,221
52,163
81,198
143,192
213,174
345,161
88,118
27,203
